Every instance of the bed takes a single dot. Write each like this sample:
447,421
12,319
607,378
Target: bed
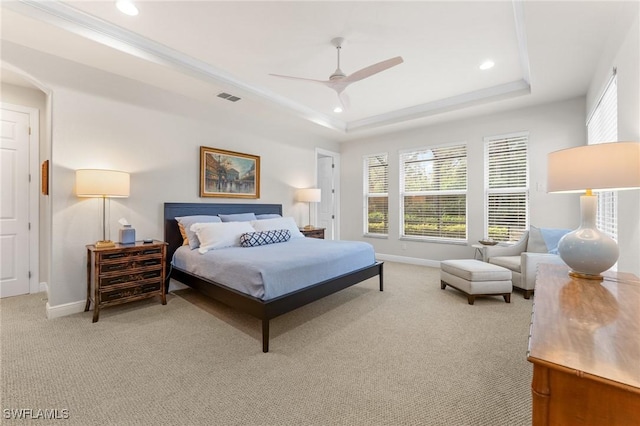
263,307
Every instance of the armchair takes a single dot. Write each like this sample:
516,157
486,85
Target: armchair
522,258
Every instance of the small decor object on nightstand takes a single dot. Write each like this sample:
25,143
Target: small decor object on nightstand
127,233
488,242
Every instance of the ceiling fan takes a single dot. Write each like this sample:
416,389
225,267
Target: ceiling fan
339,81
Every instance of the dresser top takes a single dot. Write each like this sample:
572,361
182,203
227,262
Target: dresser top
587,326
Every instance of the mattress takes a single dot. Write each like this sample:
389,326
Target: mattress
270,271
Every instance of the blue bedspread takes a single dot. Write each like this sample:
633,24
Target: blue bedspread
273,270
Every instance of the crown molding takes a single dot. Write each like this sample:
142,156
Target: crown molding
85,25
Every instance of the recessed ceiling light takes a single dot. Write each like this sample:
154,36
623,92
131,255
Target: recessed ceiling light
337,109
127,7
487,64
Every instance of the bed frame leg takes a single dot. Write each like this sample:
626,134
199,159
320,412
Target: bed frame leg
265,335
381,281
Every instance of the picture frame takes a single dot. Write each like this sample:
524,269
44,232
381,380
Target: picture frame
45,177
229,174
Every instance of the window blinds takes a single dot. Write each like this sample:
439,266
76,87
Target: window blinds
434,192
506,187
602,127
376,182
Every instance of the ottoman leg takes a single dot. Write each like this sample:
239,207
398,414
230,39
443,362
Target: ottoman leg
442,284
471,299
507,297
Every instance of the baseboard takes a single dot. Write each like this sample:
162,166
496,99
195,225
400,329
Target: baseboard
65,309
411,260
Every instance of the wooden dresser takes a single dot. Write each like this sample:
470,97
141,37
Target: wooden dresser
584,344
124,273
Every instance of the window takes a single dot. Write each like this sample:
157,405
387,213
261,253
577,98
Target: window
506,187
602,126
433,186
376,194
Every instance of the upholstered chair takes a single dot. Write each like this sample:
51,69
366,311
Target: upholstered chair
538,245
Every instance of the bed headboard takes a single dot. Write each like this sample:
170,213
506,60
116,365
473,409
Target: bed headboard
172,210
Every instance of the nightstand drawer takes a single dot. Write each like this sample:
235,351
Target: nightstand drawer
109,296
129,264
121,255
313,232
129,278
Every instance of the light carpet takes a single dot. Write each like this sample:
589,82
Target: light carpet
411,355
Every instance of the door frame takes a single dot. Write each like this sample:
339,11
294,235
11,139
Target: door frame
336,182
34,181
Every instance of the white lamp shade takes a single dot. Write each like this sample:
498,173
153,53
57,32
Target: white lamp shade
602,167
309,195
102,183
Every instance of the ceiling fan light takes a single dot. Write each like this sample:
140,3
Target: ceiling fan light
127,7
487,65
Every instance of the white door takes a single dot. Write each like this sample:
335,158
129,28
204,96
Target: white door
327,169
14,203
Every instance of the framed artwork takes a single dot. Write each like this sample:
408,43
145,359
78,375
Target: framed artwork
45,177
229,174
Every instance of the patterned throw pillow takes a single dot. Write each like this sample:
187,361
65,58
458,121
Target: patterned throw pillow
261,238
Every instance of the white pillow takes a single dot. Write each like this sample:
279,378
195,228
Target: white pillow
219,235
278,223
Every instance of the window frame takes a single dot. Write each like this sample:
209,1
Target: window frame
403,193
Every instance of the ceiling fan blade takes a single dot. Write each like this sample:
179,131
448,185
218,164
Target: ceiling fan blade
300,78
373,69
344,100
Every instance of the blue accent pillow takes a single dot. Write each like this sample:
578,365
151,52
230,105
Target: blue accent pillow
552,237
184,223
261,238
238,217
268,216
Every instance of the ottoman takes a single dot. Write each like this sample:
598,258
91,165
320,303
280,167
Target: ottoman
476,278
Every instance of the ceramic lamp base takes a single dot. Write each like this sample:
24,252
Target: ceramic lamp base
587,250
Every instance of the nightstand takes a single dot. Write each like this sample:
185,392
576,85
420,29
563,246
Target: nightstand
313,232
124,273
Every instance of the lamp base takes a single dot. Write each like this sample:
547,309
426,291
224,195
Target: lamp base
575,274
105,244
587,250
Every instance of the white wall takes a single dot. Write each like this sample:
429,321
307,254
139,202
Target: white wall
104,121
551,127
623,53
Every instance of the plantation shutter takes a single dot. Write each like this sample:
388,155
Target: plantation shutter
376,190
507,187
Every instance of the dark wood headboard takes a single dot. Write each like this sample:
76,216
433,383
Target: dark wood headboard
172,210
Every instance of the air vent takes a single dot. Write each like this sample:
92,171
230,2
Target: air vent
228,97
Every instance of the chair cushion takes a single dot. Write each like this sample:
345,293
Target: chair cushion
509,262
475,270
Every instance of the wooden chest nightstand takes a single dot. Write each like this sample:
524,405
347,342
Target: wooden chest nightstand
124,273
313,232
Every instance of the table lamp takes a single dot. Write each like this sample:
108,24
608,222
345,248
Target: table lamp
104,184
309,195
603,167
